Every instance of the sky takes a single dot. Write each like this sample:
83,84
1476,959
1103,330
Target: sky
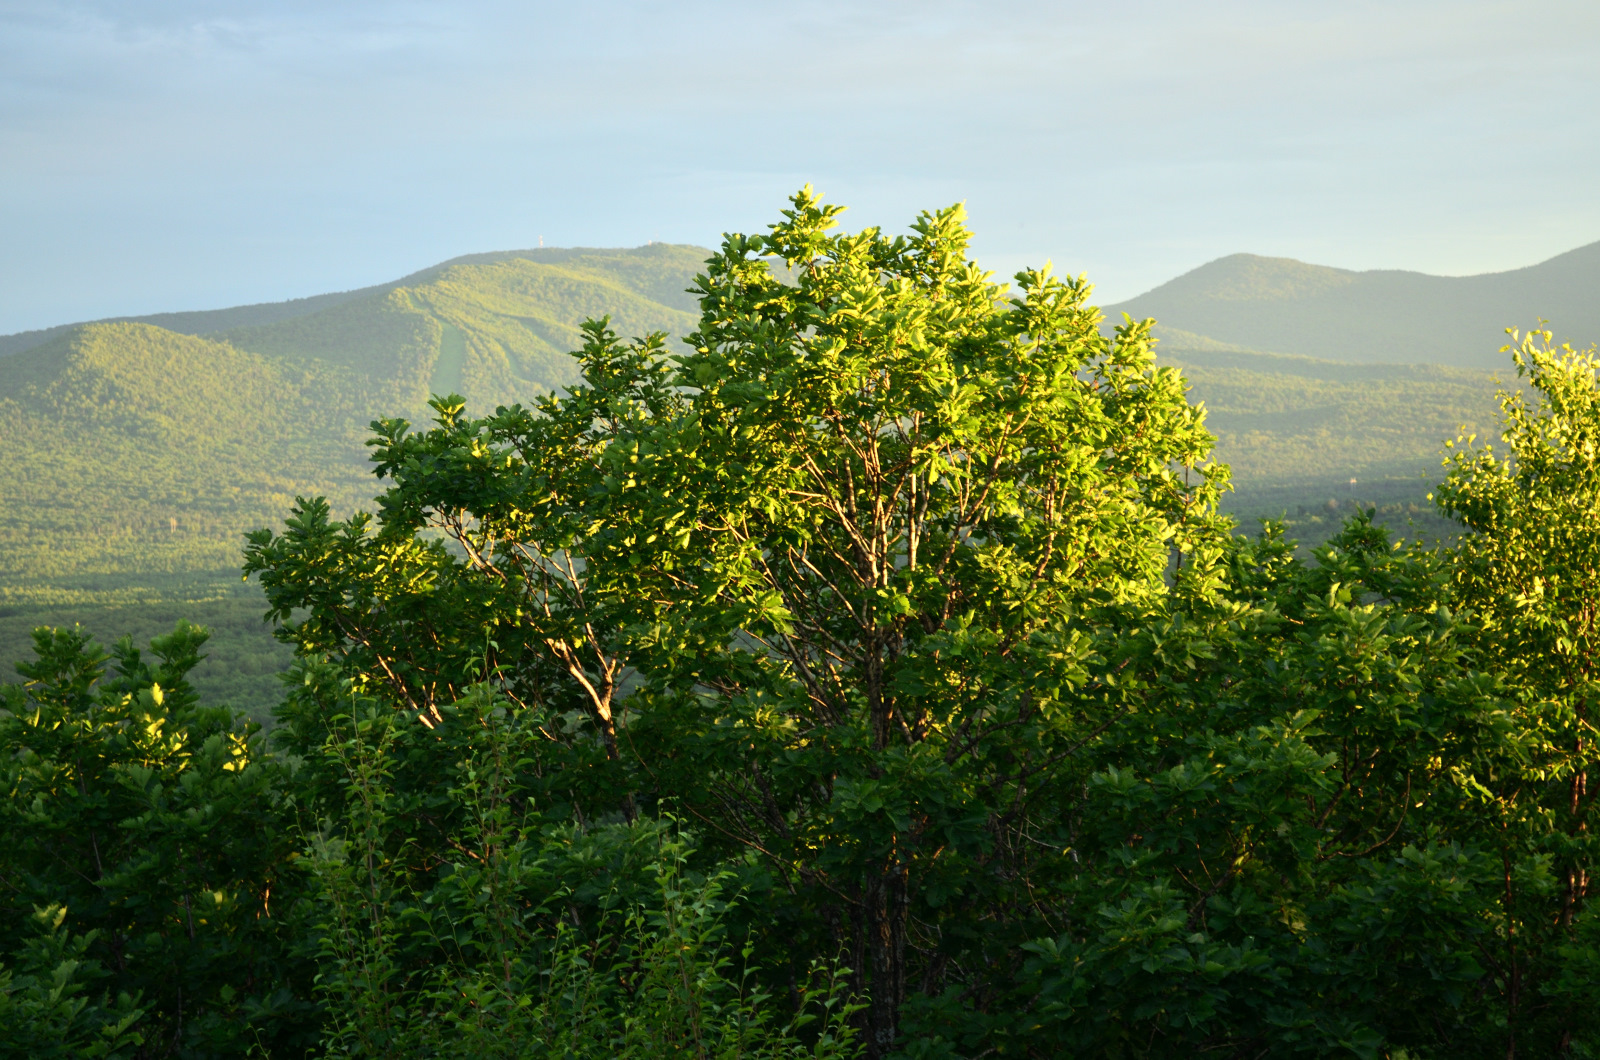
160,155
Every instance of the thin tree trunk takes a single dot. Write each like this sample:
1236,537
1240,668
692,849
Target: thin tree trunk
885,902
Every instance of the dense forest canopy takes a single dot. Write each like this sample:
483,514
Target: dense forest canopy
875,674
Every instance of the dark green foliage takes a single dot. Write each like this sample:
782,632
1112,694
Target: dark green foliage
47,1009
461,912
154,822
1280,846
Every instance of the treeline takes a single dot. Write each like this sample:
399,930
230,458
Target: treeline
880,678
242,664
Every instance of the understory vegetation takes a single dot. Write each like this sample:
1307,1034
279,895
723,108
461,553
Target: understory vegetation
879,677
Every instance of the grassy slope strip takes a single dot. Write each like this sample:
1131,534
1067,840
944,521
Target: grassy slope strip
133,457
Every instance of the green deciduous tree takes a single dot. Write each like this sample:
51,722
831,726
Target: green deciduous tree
835,554
1529,569
1282,849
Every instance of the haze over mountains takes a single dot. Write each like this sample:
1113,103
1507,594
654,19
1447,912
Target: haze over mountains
1382,316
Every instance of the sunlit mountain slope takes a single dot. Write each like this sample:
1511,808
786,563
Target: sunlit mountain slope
134,456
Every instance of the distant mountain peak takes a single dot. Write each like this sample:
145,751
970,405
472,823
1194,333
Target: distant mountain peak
1379,316
1251,277
654,271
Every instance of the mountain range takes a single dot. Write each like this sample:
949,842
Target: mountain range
134,453
137,451
1382,316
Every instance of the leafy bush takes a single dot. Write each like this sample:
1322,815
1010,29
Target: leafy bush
504,935
155,822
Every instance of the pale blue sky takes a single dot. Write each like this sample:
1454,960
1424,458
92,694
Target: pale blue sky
189,154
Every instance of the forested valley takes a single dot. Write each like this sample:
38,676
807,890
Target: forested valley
840,654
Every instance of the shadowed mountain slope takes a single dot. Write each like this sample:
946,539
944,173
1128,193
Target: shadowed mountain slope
1382,316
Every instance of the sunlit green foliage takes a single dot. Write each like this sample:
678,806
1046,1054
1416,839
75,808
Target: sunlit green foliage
1529,571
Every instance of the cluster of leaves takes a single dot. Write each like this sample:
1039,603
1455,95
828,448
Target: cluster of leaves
43,1010
462,912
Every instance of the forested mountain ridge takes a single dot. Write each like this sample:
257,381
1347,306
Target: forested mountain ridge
109,428
652,271
135,455
1282,420
1380,316
496,332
